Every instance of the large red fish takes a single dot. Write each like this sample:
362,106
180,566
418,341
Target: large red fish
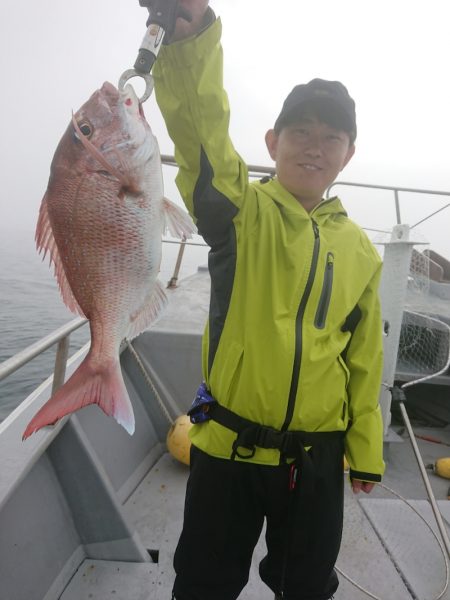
101,221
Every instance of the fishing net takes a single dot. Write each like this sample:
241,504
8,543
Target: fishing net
423,356
424,347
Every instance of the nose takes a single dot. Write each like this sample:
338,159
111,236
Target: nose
313,147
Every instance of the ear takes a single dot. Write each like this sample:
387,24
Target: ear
272,143
350,153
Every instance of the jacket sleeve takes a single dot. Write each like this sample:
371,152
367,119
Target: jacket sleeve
212,178
364,359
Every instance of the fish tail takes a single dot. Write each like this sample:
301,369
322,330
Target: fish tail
89,384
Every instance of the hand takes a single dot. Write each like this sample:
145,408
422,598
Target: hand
184,29
364,486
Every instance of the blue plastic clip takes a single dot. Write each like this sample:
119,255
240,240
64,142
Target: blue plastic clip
203,401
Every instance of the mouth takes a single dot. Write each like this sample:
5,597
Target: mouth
130,99
108,93
310,167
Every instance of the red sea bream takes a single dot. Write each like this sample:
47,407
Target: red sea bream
101,221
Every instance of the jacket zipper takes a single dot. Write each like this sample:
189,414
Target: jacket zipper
325,296
299,328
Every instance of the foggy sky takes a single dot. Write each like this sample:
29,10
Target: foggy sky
392,56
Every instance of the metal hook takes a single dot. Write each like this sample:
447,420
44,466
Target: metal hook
146,77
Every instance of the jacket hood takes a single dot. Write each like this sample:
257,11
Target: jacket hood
328,206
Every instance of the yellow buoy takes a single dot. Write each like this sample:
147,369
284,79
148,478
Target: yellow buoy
178,442
442,467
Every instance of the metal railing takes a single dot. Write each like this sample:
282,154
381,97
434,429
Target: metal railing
253,170
61,336
396,190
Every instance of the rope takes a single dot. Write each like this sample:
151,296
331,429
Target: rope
149,382
441,547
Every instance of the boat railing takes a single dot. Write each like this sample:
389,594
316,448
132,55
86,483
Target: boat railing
396,191
61,336
253,170
256,171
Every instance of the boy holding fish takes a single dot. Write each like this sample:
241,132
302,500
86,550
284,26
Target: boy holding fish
292,352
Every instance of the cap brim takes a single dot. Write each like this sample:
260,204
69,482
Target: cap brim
327,110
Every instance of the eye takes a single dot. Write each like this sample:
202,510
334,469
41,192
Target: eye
106,174
334,136
300,131
86,129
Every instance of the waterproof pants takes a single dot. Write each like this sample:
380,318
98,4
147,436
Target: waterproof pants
225,508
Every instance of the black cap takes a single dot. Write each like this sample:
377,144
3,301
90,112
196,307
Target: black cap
330,99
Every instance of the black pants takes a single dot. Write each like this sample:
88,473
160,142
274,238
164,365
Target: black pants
226,504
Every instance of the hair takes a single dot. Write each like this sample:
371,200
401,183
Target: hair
325,111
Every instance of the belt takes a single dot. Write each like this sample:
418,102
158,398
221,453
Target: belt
251,435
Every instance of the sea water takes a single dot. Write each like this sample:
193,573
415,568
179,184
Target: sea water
31,308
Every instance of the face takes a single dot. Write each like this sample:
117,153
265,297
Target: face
309,155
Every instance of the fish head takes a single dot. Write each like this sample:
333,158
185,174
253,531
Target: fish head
114,121
109,135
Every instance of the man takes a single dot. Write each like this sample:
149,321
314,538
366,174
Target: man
292,349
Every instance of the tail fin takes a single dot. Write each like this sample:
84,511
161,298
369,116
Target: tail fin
102,385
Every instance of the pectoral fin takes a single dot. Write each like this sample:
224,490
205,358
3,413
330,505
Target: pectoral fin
177,221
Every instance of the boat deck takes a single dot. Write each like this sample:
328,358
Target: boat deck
386,547
95,497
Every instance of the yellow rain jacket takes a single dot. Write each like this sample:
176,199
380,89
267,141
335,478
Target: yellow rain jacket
294,338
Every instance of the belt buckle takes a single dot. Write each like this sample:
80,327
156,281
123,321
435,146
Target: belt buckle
286,442
269,438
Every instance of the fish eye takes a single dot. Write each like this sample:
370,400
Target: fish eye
86,129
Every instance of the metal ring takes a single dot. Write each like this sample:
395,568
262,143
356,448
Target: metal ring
133,73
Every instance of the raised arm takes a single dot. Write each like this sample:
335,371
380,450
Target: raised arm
201,17
212,179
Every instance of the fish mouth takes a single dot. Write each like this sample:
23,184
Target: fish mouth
109,93
129,97
128,92
106,97
122,111
111,96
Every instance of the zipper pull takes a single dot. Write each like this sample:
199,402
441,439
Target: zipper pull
315,229
293,472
